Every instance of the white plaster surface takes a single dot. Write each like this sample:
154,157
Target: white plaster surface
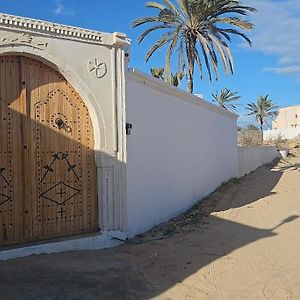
288,133
180,150
250,158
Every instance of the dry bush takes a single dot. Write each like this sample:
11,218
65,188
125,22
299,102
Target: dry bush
250,137
279,142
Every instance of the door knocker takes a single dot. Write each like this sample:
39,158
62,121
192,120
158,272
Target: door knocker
62,125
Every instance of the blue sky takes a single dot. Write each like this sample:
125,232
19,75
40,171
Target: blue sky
271,66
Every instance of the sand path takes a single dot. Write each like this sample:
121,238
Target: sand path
242,243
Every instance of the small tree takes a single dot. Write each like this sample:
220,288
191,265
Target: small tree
263,109
251,127
227,99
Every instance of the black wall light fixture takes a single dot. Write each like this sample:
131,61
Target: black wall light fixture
128,128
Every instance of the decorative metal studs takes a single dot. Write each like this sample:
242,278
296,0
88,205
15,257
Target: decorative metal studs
4,198
60,193
60,156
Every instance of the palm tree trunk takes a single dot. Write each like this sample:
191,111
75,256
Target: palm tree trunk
190,78
190,51
261,129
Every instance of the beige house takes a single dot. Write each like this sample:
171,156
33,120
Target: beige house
288,117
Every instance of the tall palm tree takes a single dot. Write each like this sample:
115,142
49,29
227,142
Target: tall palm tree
191,27
263,110
227,99
174,80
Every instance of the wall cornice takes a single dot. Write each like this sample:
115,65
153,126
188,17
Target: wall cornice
55,30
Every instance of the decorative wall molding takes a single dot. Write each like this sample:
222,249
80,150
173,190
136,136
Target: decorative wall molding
106,191
23,39
96,67
120,39
44,27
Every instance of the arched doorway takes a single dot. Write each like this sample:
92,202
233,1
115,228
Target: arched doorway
47,164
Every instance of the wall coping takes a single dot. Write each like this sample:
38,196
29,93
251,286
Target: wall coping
257,147
62,31
160,85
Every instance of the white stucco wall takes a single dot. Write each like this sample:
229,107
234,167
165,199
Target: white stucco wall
180,150
288,133
250,158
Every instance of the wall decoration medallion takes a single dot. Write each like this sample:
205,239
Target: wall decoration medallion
96,67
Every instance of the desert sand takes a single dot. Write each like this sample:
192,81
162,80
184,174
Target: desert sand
242,242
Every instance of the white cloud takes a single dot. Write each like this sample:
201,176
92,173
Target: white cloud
60,9
295,69
277,32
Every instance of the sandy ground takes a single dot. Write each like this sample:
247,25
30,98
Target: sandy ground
243,242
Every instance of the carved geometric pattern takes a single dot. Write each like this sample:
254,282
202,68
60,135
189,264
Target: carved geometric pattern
98,68
2,175
4,198
60,156
22,39
60,193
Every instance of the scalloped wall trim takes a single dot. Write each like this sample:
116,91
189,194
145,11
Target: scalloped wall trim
48,28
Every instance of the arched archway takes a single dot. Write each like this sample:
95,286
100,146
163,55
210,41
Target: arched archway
48,174
90,100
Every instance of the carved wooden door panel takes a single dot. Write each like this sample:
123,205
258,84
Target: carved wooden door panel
12,104
55,165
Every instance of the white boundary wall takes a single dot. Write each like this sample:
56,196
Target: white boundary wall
250,158
288,133
180,150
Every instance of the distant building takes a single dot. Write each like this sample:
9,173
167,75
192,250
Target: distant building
288,117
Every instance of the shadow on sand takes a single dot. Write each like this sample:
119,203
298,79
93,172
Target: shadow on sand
145,270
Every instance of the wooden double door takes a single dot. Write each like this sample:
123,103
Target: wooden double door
47,164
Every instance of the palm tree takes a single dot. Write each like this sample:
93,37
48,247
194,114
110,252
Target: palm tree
174,80
192,27
157,72
263,110
226,99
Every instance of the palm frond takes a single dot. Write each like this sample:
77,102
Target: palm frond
200,30
227,99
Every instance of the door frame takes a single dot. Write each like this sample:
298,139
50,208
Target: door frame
111,172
